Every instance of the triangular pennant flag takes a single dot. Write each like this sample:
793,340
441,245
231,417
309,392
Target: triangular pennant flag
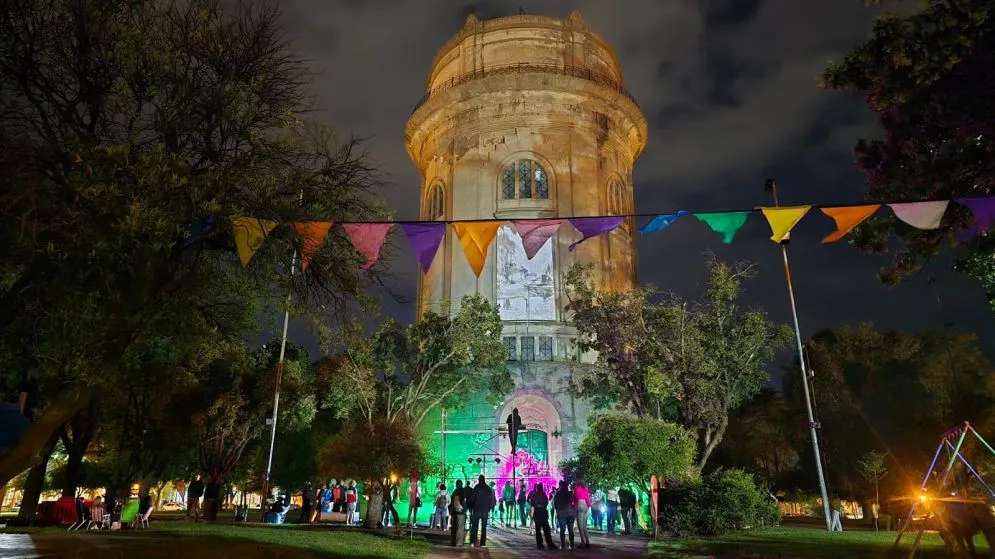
535,233
425,238
783,220
983,210
476,238
847,218
725,223
312,234
661,222
921,215
249,233
594,226
368,238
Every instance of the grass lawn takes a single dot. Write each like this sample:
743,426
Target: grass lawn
180,540
802,542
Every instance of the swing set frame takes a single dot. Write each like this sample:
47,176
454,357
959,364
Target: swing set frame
954,456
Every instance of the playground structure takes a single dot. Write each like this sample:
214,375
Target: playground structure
955,515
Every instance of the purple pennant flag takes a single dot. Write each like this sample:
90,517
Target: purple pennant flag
594,226
983,210
425,239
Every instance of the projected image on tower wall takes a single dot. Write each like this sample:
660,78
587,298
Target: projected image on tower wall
525,289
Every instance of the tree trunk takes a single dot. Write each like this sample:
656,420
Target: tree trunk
712,441
374,509
35,482
32,445
74,466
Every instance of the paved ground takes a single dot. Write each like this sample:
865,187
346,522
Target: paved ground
504,543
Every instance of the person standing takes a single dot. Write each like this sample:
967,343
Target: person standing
627,505
414,502
523,501
441,515
598,508
307,504
582,504
194,492
352,502
457,528
483,503
563,503
508,498
538,502
611,498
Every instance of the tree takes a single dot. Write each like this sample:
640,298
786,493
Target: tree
378,451
903,390
621,449
928,77
702,358
406,373
873,469
761,441
122,126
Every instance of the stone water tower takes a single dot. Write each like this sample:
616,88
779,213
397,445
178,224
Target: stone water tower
525,116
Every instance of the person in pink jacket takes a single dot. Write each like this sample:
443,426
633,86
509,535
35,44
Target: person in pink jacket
582,504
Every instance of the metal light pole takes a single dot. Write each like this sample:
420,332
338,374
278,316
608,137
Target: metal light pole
279,378
812,424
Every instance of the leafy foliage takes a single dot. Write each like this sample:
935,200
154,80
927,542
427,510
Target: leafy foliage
719,503
760,440
121,125
928,76
902,390
704,358
406,373
621,449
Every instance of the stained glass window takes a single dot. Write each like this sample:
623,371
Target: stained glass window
511,344
524,178
528,348
508,183
545,348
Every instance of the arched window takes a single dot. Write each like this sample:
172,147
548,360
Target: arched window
618,202
435,207
524,179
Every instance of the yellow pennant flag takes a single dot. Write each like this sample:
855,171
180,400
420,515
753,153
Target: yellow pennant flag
476,238
847,218
249,233
783,220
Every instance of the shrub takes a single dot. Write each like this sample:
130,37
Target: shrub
718,503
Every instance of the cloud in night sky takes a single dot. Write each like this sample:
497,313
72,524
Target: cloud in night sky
729,89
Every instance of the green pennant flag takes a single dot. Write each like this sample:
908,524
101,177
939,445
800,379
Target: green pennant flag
725,224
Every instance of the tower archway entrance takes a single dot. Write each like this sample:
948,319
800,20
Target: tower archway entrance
540,447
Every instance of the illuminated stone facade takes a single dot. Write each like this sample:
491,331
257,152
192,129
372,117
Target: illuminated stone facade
526,117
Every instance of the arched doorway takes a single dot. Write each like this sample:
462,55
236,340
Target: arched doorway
540,448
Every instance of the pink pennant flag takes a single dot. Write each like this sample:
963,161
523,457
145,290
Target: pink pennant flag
535,233
368,238
921,215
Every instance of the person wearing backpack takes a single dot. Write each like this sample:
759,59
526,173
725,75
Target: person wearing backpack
441,507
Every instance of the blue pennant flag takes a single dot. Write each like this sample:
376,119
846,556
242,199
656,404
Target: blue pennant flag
661,222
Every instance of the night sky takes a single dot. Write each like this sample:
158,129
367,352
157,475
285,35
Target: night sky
729,89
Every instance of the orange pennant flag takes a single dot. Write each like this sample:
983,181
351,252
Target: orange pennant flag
782,220
476,238
249,234
847,218
312,234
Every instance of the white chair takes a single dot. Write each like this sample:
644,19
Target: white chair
142,519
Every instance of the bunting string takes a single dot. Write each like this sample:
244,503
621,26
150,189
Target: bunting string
477,235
